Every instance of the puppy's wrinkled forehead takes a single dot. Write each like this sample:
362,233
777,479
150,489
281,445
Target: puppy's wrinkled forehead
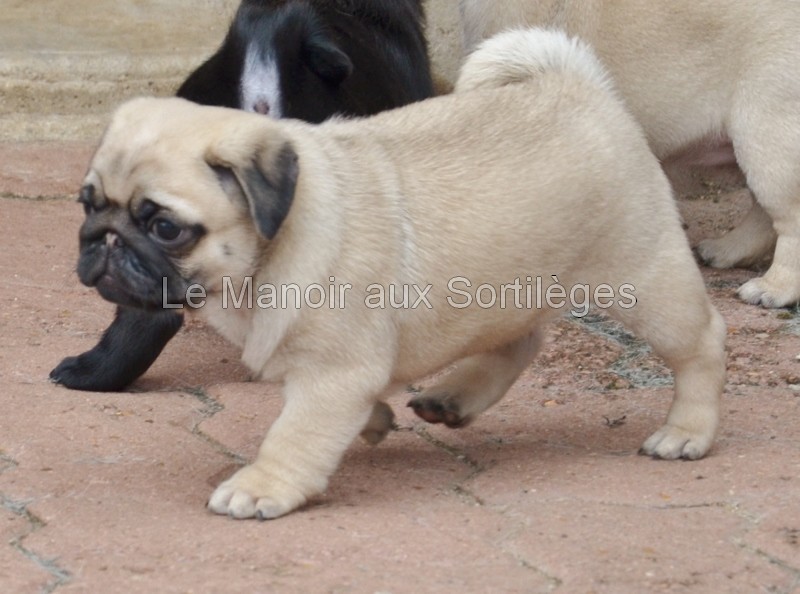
154,148
195,161
136,141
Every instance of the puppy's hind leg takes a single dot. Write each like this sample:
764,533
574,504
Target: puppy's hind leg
476,383
748,243
675,316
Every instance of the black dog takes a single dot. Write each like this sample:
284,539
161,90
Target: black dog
305,59
311,59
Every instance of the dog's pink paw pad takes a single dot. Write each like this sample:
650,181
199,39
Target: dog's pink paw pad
438,410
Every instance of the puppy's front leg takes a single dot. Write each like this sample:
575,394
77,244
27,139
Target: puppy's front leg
323,414
126,350
380,422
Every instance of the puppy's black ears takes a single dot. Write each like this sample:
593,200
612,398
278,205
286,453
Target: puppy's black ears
267,180
325,58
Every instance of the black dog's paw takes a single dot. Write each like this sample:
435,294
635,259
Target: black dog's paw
63,372
85,372
126,350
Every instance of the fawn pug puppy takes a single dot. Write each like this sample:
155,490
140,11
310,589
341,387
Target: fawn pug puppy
720,75
303,59
533,168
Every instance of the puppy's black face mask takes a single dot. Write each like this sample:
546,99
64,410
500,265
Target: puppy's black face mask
130,256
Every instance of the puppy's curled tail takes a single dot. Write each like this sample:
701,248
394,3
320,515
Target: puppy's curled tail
520,55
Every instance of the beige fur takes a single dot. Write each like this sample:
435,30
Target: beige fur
545,176
695,72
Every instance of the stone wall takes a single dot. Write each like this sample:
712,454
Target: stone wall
65,64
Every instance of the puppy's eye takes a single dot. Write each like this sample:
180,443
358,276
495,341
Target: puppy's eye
165,230
86,198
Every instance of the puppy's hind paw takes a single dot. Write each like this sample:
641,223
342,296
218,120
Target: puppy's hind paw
251,494
438,409
671,443
716,253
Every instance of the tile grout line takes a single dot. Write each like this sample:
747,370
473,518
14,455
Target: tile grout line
60,576
211,406
472,499
474,467
752,522
553,582
773,560
65,197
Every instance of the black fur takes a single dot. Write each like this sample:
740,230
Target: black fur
346,57
128,348
350,57
128,269
119,257
271,199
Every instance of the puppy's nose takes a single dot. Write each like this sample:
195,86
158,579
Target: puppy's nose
113,240
261,106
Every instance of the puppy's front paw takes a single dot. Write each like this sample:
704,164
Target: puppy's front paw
252,493
381,421
671,443
439,408
760,291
